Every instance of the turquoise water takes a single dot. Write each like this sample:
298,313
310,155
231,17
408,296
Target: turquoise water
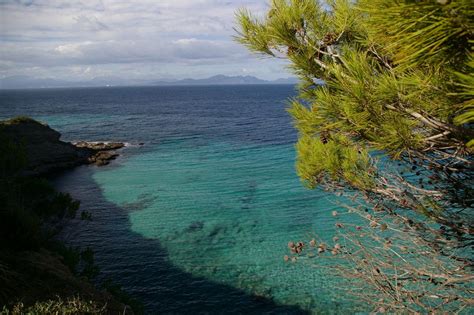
198,219
226,213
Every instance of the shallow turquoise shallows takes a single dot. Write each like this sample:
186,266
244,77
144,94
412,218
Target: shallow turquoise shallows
196,220
227,213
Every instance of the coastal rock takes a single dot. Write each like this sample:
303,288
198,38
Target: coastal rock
103,158
195,226
99,146
46,153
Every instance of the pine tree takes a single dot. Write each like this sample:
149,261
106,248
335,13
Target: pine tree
393,124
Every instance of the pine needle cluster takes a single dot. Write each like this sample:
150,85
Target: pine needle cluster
398,83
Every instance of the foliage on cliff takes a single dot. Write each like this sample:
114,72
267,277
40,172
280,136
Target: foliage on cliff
39,274
57,306
26,203
398,84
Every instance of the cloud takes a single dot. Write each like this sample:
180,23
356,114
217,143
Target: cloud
71,50
90,23
174,34
125,51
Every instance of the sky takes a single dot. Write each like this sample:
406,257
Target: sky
137,39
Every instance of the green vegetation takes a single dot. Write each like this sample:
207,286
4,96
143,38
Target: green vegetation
117,291
26,203
17,120
30,210
398,80
39,274
58,306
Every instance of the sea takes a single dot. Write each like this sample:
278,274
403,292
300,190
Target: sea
195,215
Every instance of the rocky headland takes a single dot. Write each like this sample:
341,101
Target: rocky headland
38,273
46,153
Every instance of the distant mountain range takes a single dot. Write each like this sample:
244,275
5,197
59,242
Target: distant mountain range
226,80
26,82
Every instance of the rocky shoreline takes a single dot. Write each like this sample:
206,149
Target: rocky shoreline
101,153
47,154
36,269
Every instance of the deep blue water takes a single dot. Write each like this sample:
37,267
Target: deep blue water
196,220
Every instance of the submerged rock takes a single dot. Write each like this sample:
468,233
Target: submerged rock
195,226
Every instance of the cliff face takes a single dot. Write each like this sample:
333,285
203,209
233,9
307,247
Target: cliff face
33,266
46,153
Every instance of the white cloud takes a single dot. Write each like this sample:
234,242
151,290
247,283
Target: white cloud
71,50
182,36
